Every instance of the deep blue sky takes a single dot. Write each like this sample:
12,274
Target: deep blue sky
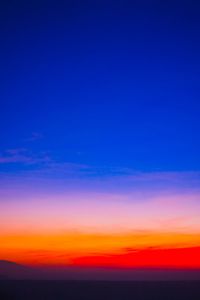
102,83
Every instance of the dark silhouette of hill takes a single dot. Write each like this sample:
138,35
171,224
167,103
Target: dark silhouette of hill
6,265
12,270
75,283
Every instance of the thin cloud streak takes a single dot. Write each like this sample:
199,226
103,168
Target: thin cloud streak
49,175
34,137
23,156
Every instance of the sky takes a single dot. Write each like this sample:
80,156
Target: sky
99,133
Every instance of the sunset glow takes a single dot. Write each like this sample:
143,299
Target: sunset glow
103,229
100,136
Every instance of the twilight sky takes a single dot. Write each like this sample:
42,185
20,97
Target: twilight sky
99,131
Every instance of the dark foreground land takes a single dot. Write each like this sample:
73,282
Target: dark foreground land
98,290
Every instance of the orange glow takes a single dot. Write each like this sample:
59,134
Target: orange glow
140,249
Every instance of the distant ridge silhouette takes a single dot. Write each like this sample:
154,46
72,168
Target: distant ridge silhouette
12,270
7,262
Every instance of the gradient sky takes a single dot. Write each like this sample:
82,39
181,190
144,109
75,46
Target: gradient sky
99,133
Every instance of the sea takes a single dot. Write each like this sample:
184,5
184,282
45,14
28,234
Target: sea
98,290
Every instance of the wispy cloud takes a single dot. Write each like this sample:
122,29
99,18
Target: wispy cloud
23,156
34,137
